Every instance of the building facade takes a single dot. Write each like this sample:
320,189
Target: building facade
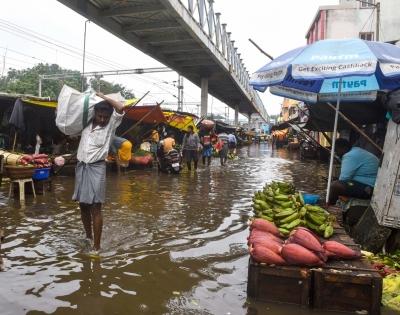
289,109
357,19
365,19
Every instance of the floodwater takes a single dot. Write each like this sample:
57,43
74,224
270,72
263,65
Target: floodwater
172,244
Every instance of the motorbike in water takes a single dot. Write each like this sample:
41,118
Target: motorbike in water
307,150
170,162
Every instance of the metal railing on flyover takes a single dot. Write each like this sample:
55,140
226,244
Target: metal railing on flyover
202,12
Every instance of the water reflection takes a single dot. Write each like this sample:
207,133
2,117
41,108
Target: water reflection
171,244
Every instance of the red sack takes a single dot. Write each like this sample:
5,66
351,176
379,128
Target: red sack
218,145
39,156
41,161
28,158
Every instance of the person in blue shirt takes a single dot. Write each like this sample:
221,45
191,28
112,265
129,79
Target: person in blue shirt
232,142
358,172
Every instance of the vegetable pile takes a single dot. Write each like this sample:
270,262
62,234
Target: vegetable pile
388,265
286,231
37,160
141,152
302,248
279,203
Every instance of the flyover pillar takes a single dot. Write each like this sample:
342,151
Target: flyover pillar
249,122
236,115
204,97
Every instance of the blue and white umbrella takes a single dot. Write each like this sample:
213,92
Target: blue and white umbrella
312,73
332,70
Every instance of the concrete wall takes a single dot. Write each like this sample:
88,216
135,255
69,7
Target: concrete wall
348,22
348,19
256,122
390,20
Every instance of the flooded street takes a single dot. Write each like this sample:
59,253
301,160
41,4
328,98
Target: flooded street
172,244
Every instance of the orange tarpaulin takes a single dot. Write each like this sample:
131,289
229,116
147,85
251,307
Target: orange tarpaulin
280,134
151,114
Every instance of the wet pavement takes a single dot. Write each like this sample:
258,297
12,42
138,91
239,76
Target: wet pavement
172,244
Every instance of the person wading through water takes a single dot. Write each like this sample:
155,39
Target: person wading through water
191,145
90,174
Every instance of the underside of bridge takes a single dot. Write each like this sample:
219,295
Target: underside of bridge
165,30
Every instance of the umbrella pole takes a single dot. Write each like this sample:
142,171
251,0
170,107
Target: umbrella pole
333,141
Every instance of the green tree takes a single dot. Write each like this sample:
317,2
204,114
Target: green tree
107,87
26,81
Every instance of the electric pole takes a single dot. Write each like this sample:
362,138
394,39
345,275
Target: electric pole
378,19
377,6
180,93
4,62
84,56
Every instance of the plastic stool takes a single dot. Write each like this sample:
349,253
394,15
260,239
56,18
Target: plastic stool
21,183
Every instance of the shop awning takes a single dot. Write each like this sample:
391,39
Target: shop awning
285,124
321,116
147,114
223,127
180,120
50,104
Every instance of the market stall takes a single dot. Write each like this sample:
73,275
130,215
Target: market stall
300,254
137,126
181,120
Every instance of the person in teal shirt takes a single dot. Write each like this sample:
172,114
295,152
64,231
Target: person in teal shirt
358,172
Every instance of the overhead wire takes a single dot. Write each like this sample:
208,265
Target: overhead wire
367,20
381,31
371,29
66,52
169,84
22,54
21,61
73,49
69,50
36,42
54,42
89,61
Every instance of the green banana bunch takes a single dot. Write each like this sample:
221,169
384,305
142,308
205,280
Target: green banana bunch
284,232
315,218
328,232
285,213
291,225
290,218
278,202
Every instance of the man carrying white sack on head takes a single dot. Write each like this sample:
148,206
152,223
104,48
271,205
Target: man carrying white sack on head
90,176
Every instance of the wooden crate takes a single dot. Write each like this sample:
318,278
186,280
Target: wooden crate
347,286
279,284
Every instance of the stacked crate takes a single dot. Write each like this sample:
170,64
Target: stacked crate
346,286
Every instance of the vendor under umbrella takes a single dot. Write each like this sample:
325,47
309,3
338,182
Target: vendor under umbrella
358,172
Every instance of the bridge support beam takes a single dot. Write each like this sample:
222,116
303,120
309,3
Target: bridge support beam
236,115
204,97
249,122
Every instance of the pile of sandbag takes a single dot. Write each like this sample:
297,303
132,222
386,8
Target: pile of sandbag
302,247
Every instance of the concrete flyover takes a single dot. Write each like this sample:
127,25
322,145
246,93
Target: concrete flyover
188,38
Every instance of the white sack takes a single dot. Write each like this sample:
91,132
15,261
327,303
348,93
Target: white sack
72,114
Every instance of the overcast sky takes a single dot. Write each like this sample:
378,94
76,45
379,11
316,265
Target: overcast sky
276,26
